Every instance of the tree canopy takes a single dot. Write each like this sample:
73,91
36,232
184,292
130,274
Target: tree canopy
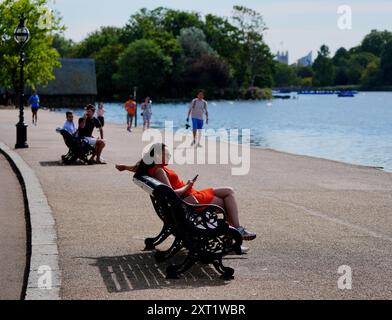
221,55
41,56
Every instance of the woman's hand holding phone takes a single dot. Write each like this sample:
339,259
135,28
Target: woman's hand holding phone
193,181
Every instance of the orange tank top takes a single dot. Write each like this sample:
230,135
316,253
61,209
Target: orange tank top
202,196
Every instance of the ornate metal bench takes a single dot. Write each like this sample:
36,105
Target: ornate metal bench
201,229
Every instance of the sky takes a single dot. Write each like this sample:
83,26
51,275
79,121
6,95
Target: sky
297,26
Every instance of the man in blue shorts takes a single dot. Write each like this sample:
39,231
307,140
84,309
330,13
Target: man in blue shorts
34,102
197,109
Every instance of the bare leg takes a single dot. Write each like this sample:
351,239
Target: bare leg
100,146
194,135
200,134
226,197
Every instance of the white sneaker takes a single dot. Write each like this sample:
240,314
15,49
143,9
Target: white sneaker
199,145
193,143
244,250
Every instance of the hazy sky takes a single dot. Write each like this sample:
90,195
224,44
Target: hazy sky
296,26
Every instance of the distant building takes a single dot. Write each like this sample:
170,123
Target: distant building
283,57
306,61
75,85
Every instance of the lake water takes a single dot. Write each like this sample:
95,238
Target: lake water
354,130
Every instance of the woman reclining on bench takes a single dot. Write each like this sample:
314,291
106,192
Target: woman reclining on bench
154,164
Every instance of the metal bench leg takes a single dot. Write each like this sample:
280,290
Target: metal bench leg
151,243
161,256
226,272
173,271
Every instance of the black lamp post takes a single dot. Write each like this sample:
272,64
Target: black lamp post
22,36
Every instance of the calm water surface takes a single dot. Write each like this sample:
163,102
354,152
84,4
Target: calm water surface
355,130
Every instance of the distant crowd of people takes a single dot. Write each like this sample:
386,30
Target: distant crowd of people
95,119
131,109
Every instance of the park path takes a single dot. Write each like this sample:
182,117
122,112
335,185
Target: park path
312,216
12,234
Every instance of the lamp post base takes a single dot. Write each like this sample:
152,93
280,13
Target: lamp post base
21,136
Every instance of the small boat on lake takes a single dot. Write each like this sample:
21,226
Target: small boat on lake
346,94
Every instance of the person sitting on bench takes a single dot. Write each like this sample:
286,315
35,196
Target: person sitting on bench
87,124
154,164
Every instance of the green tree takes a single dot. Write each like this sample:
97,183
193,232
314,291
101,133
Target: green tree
194,44
255,54
305,72
63,46
285,76
372,76
106,66
323,68
342,77
151,24
341,57
142,64
386,63
223,37
376,41
41,57
209,71
95,41
174,21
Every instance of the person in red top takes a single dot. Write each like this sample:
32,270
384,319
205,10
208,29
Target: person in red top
130,107
158,157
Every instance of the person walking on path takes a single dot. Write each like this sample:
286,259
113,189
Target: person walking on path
101,114
130,107
147,113
86,129
34,102
198,109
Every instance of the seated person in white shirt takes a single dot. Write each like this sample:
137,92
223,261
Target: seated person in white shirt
69,124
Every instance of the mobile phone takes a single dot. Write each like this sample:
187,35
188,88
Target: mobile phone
195,178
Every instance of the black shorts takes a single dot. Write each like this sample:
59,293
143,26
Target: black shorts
34,109
102,121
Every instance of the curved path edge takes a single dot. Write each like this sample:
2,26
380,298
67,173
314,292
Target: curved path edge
44,275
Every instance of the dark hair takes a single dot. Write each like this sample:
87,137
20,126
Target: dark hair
90,107
143,165
200,91
69,113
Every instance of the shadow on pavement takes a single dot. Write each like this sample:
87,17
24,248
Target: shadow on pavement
59,163
141,271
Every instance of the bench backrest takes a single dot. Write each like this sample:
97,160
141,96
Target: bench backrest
69,139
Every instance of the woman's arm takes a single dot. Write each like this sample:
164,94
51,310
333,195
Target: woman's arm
162,177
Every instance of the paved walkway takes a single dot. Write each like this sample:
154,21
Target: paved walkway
12,234
312,216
